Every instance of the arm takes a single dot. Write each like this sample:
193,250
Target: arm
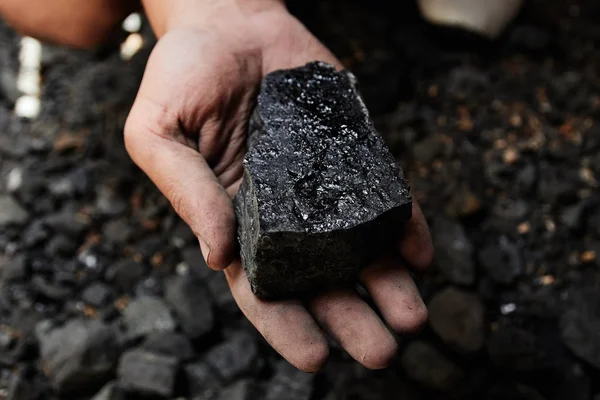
74,23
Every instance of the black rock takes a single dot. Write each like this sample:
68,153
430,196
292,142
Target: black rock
321,193
530,37
125,274
35,233
502,260
235,357
146,315
192,256
289,383
182,236
426,365
453,251
522,348
580,325
147,373
60,245
457,317
191,302
79,354
219,291
170,344
98,294
513,392
49,289
67,221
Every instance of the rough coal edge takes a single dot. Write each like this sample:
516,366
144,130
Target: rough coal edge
255,125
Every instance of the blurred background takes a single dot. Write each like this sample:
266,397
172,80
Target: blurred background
102,286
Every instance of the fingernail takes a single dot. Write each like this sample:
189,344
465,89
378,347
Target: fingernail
205,248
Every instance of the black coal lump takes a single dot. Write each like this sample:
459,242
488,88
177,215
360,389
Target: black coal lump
321,193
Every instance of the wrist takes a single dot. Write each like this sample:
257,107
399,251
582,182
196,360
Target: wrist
205,14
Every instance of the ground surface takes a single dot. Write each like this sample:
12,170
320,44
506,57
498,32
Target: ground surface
101,285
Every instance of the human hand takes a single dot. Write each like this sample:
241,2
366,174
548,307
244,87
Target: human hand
187,131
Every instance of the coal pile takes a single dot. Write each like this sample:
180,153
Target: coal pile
104,294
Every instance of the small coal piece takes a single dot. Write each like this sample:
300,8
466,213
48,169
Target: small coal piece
321,192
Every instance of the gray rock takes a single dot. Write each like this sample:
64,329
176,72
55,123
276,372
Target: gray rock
148,373
289,383
11,212
426,365
453,251
98,294
13,269
146,315
170,344
109,203
241,390
580,325
235,357
117,231
79,354
458,317
191,302
110,391
218,288
202,381
312,207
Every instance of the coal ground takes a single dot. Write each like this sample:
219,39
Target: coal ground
104,295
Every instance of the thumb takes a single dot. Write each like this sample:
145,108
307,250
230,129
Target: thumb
184,177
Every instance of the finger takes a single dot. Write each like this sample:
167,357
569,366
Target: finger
356,327
416,246
396,295
286,325
184,177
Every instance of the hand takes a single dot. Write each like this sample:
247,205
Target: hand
187,131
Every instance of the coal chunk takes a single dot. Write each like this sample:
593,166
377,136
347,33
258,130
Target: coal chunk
79,354
580,325
289,383
192,304
458,317
453,251
426,365
236,357
321,192
170,344
147,373
146,315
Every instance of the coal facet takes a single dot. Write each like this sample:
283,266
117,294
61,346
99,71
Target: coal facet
321,192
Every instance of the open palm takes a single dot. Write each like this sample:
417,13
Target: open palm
187,131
